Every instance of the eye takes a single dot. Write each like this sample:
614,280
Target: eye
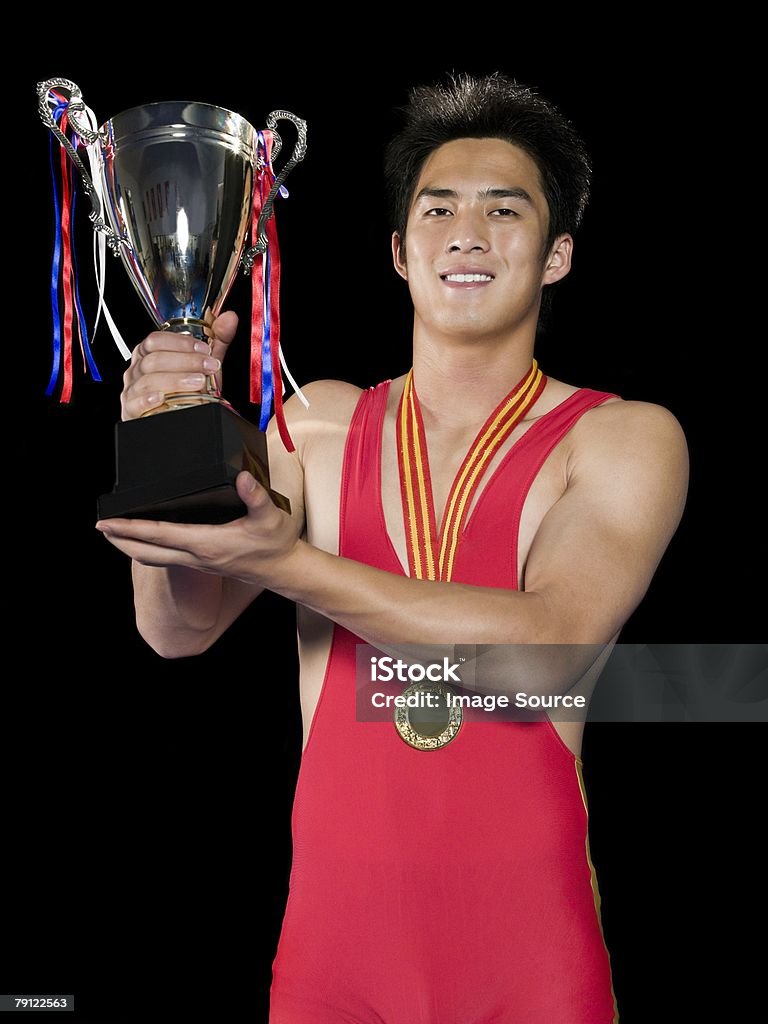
505,211
437,209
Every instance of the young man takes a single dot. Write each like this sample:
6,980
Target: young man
472,500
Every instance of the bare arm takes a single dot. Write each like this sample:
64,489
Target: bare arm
590,564
181,611
592,559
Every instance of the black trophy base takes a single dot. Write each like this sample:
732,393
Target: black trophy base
181,466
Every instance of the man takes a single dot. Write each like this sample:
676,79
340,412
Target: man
472,500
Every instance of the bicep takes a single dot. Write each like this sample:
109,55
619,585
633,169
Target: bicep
596,550
331,406
286,476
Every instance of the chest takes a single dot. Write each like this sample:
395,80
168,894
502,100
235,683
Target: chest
445,455
501,500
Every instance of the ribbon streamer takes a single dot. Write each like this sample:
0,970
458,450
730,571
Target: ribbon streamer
100,241
266,383
68,307
267,359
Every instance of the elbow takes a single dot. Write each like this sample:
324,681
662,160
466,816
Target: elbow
570,626
170,651
171,645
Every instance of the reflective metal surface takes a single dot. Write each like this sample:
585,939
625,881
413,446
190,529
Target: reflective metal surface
178,179
431,726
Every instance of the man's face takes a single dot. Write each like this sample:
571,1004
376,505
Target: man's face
468,226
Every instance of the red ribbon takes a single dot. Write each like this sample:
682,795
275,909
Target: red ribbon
257,296
67,187
257,300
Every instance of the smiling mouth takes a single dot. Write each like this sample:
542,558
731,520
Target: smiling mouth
466,280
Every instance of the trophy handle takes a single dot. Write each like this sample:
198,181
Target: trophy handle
74,107
299,152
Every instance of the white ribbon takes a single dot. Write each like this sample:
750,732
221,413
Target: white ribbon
294,385
99,239
100,260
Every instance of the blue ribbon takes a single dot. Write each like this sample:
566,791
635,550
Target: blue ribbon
267,388
266,352
56,271
80,316
266,333
55,265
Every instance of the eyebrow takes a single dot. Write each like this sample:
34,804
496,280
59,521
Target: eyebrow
509,192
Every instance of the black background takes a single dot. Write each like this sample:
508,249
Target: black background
146,841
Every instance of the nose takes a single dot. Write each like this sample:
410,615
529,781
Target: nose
468,231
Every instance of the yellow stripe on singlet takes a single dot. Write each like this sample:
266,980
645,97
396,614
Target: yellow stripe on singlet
593,879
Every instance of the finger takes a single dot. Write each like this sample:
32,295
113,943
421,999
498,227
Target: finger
251,493
134,404
225,326
178,362
150,389
150,392
224,329
150,554
169,341
179,536
164,351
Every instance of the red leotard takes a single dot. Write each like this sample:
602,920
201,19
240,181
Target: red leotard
451,886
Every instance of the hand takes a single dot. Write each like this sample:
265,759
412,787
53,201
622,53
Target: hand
253,549
165,362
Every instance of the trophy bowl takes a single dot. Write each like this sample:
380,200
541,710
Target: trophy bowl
174,196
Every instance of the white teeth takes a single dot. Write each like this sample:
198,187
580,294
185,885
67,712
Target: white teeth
466,278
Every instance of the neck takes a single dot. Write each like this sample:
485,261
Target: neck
459,383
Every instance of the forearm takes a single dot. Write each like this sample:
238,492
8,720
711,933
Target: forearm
384,608
505,640
177,609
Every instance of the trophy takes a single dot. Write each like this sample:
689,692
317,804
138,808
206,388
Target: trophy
180,184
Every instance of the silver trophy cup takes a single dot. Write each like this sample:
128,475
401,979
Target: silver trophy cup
177,181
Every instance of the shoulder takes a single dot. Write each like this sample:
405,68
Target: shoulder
331,399
616,428
331,405
633,448
620,425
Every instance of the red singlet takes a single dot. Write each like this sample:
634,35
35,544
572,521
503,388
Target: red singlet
451,886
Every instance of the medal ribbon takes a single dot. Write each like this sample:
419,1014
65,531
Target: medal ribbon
431,556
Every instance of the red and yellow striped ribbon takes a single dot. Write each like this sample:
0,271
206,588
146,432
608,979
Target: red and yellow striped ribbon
431,556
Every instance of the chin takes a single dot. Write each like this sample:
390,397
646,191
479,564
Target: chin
468,328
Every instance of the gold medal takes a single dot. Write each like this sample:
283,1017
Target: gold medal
432,720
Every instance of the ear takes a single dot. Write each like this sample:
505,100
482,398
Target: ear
398,256
558,263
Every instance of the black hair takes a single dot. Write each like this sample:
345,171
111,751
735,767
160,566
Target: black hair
492,106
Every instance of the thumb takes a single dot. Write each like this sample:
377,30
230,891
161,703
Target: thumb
224,328
250,491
